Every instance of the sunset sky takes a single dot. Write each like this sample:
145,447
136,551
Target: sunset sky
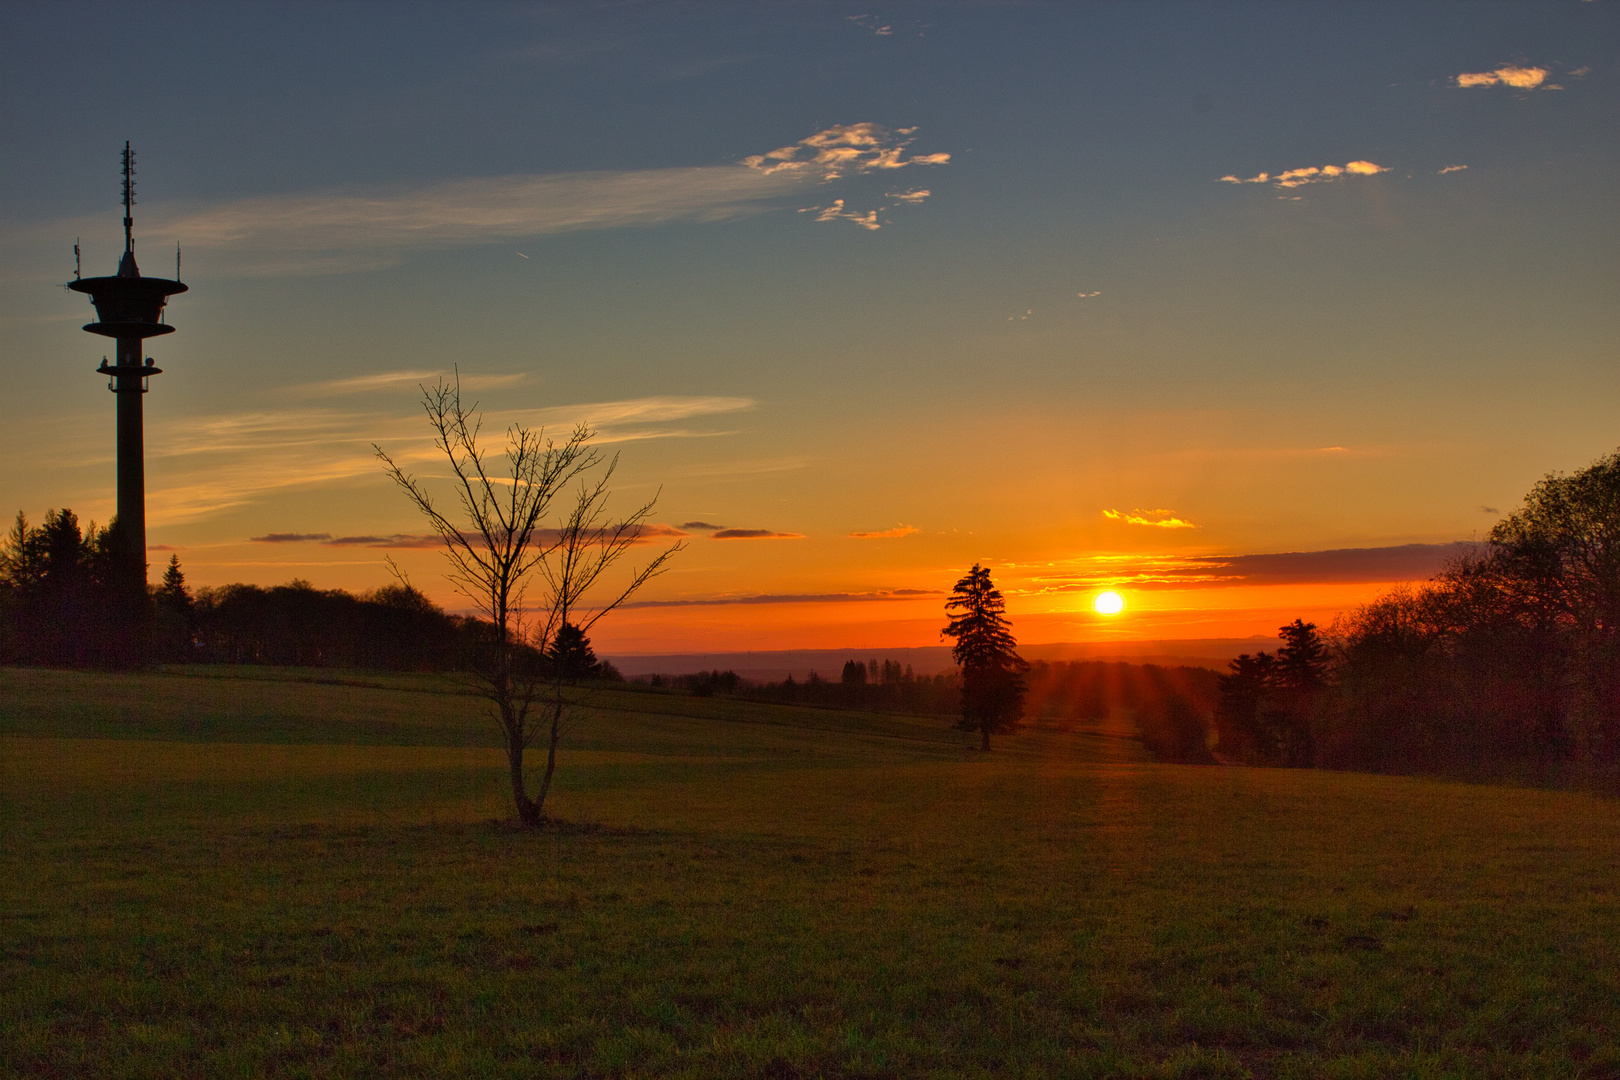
1223,306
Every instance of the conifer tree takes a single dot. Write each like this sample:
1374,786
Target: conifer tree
572,654
987,652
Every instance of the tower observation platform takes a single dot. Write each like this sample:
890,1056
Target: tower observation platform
129,309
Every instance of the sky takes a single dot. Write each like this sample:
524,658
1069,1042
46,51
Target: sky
1243,310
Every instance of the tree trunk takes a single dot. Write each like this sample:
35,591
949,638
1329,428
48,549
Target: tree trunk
984,733
553,734
527,808
551,764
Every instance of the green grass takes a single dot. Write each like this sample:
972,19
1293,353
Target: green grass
205,875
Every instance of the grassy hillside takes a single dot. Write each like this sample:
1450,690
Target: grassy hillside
212,875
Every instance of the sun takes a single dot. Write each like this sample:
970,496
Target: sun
1108,603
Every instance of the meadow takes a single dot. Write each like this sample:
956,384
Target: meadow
217,872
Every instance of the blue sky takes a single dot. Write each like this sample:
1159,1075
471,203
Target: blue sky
1079,316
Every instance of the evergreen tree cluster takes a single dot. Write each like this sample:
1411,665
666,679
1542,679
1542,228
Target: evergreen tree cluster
60,598
1269,702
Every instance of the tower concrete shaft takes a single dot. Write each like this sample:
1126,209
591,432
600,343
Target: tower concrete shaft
131,442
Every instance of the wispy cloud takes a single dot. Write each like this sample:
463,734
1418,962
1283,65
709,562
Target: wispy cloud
887,534
1451,169
428,541
1158,519
384,381
868,220
1310,174
1404,562
393,540
349,231
755,534
340,232
836,212
877,26
750,467
702,526
1088,295
1399,563
215,463
791,598
610,415
1511,75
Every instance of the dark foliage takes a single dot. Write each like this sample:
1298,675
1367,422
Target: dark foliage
987,654
394,628
61,599
60,606
1269,702
570,655
1175,729
710,683
1507,664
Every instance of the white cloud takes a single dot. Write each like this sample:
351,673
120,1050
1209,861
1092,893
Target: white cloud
843,150
868,220
836,212
1519,78
1310,174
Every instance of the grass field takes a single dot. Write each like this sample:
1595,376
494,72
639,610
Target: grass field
212,875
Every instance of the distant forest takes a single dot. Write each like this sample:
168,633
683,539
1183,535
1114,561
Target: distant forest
1505,665
58,608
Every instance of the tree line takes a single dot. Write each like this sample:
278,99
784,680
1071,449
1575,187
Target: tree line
1507,664
59,607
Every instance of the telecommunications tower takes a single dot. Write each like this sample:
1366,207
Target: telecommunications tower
129,309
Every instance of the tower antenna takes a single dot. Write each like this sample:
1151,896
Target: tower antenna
77,266
129,198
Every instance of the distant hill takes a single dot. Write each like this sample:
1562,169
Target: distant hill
929,659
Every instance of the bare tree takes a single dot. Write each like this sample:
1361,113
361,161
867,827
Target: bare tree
537,538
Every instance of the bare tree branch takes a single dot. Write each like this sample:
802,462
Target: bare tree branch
506,549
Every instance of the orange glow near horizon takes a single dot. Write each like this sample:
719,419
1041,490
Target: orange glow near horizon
898,605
